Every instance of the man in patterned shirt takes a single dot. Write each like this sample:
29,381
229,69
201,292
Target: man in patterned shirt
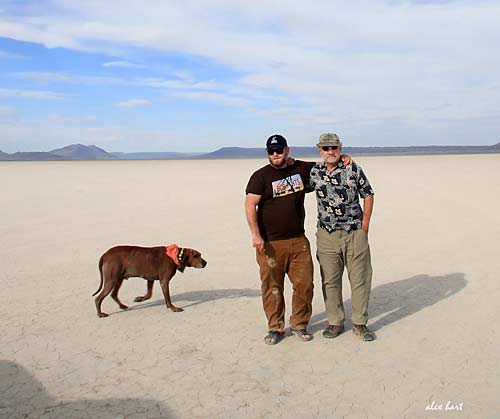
342,236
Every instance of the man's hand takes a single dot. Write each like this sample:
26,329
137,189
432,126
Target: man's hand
258,242
346,159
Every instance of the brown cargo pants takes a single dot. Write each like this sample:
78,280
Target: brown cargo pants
291,257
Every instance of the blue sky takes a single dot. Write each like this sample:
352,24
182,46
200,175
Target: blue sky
196,76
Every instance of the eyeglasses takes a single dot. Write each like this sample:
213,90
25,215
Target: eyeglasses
277,150
329,147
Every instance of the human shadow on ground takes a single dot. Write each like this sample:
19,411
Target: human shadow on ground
396,300
23,396
199,297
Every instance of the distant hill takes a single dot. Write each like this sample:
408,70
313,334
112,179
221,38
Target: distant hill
423,150
82,152
154,155
238,152
92,152
234,153
71,152
251,153
29,156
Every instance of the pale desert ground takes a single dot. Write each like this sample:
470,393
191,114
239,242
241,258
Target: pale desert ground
435,239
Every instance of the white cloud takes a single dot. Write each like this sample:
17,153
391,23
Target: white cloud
132,103
213,97
30,94
124,64
306,49
60,118
10,55
51,77
319,62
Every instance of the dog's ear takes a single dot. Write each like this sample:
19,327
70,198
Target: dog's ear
183,259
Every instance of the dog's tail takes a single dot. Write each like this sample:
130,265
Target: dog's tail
100,271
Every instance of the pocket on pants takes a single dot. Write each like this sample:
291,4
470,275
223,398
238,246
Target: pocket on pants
361,241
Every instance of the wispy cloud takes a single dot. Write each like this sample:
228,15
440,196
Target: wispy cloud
132,103
123,64
60,118
213,97
384,51
187,87
315,63
31,94
10,55
51,77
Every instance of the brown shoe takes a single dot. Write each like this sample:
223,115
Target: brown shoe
332,331
363,332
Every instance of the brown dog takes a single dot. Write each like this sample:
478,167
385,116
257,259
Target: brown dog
150,263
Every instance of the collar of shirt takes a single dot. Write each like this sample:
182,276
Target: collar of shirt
340,165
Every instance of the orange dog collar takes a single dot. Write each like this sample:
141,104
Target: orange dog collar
175,253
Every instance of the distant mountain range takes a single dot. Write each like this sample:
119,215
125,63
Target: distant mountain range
92,152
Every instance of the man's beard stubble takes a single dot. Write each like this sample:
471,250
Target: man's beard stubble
281,163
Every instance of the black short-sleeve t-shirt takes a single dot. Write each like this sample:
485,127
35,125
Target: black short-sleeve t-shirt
280,212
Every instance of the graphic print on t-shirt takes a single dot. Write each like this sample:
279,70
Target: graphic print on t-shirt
283,187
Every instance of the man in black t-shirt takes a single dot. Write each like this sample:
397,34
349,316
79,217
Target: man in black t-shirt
275,213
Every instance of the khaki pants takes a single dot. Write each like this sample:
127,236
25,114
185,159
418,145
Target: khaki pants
291,257
349,249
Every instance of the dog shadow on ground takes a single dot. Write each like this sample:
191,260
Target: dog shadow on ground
396,300
200,297
23,396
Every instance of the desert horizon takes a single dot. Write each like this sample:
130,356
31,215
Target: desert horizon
434,242
78,152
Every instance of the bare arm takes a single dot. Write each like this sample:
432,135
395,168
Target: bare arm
251,202
367,213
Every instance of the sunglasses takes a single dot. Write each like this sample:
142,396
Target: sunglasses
329,147
277,150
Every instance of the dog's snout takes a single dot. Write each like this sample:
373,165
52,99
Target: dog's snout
203,263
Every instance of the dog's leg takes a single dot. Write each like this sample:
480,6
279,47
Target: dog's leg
164,282
109,283
148,295
114,294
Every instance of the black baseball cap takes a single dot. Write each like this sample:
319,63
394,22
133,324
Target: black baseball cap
276,140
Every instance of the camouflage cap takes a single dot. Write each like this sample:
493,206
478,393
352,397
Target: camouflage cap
329,139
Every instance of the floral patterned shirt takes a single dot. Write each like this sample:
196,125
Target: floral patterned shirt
337,195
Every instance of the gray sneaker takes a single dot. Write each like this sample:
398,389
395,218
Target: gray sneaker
363,332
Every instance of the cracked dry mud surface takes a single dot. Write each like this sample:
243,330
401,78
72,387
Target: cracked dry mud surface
433,305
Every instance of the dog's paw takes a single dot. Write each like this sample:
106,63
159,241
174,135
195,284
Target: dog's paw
139,299
102,314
